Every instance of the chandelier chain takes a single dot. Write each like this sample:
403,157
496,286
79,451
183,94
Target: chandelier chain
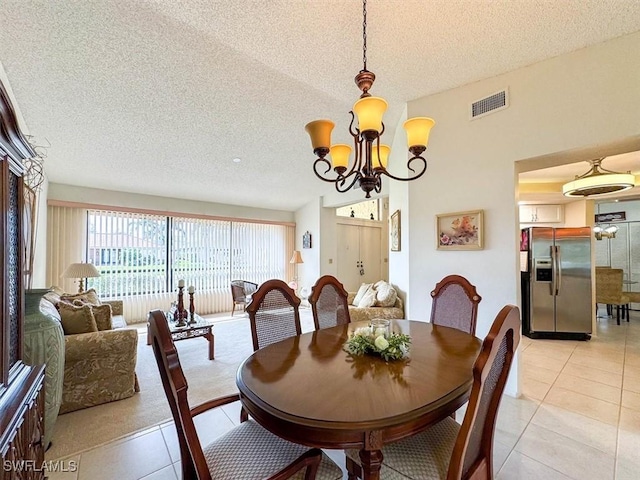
364,34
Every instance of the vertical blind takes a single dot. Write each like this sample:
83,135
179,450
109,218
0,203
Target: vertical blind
142,256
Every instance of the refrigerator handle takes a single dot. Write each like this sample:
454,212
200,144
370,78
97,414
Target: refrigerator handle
553,271
558,271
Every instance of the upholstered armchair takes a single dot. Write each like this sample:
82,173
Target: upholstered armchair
99,366
241,291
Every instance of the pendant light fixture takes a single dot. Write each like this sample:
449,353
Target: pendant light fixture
608,231
598,181
371,157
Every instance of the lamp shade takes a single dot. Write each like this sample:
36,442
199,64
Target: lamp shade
369,111
340,155
296,257
418,130
382,160
320,133
80,270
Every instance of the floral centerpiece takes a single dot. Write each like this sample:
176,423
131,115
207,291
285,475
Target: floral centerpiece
376,340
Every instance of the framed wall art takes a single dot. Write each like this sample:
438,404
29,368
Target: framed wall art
394,232
460,231
306,240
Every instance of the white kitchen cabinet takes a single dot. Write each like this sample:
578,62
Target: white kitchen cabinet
541,213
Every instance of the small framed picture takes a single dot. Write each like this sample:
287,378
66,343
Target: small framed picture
394,232
306,240
460,231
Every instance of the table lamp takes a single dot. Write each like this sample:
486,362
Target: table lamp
296,258
81,271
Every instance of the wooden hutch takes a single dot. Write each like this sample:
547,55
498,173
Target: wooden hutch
21,386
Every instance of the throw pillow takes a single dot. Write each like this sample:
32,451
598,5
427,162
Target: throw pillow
90,296
52,296
361,291
102,314
386,295
378,283
76,319
369,299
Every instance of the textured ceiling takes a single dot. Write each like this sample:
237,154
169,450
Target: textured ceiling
159,96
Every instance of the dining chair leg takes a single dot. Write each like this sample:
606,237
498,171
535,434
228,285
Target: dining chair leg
354,472
618,314
234,308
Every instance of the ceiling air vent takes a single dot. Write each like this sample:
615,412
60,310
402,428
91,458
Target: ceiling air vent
492,103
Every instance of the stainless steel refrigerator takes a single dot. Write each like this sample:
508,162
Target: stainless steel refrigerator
556,283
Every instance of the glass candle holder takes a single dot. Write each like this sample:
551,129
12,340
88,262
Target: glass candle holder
380,326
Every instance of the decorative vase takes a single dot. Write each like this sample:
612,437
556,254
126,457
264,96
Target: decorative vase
44,344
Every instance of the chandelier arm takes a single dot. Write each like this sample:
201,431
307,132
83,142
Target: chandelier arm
417,175
321,176
342,180
378,187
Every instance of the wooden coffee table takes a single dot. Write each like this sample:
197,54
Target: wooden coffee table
200,328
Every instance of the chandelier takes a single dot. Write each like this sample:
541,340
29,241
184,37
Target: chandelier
371,157
608,231
598,181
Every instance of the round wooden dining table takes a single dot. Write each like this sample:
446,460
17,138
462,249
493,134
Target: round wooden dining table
309,390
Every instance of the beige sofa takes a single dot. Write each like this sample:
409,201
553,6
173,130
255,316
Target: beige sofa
99,367
358,314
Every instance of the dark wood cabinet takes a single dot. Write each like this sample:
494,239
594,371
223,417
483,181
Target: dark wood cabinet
21,386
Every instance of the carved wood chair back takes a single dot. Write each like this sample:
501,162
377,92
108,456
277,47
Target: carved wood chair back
273,313
194,464
247,450
446,449
329,303
455,304
473,451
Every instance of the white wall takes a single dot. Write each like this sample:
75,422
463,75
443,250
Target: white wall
40,251
308,219
586,98
398,263
579,214
328,246
70,193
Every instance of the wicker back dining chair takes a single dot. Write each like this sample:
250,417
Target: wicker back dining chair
245,451
273,313
241,291
447,449
455,304
329,303
609,290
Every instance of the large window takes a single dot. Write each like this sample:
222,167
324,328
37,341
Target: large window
146,254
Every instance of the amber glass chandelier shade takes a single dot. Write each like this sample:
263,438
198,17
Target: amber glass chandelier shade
340,155
383,159
369,111
320,133
418,130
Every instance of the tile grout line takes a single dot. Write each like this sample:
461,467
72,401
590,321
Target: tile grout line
531,418
624,364
529,422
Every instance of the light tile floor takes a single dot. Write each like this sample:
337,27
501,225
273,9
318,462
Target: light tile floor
578,418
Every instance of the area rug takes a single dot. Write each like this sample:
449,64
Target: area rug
85,429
